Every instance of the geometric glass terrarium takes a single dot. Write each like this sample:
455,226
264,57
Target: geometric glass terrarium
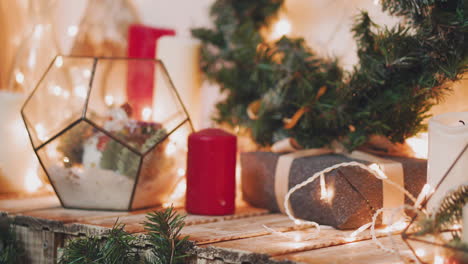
439,237
109,132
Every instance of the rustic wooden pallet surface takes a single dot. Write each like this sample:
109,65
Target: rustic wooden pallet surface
240,238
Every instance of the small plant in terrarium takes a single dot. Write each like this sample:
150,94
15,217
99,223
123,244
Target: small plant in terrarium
101,153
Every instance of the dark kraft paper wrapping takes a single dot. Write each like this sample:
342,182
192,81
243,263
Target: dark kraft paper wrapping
357,193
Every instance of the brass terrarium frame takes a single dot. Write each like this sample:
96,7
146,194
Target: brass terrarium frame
84,118
409,234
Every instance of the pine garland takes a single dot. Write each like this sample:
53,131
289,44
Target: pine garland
119,247
448,215
402,72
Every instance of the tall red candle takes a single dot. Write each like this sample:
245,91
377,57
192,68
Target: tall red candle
211,172
142,44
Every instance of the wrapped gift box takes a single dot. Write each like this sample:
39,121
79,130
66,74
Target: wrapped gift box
357,194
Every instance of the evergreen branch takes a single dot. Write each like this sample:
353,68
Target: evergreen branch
402,72
450,210
448,215
164,234
117,248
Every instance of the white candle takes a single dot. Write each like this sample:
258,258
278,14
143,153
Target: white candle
465,224
180,55
447,138
18,164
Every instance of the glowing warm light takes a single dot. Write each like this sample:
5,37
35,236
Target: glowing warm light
426,190
41,132
181,172
32,59
171,148
238,171
72,31
109,100
19,78
326,194
179,193
66,94
52,152
350,239
281,28
419,145
356,232
146,113
66,159
323,188
59,62
57,90
297,237
86,73
420,252
398,226
32,181
80,91
438,260
38,29
375,167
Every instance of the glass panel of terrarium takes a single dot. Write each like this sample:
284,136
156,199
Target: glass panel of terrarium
168,108
121,102
162,174
90,170
425,250
59,99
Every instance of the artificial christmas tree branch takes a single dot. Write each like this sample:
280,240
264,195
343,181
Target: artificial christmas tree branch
402,72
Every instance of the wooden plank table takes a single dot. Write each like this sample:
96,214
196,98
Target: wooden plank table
43,227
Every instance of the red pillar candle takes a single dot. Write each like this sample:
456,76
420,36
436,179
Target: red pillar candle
142,44
211,172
